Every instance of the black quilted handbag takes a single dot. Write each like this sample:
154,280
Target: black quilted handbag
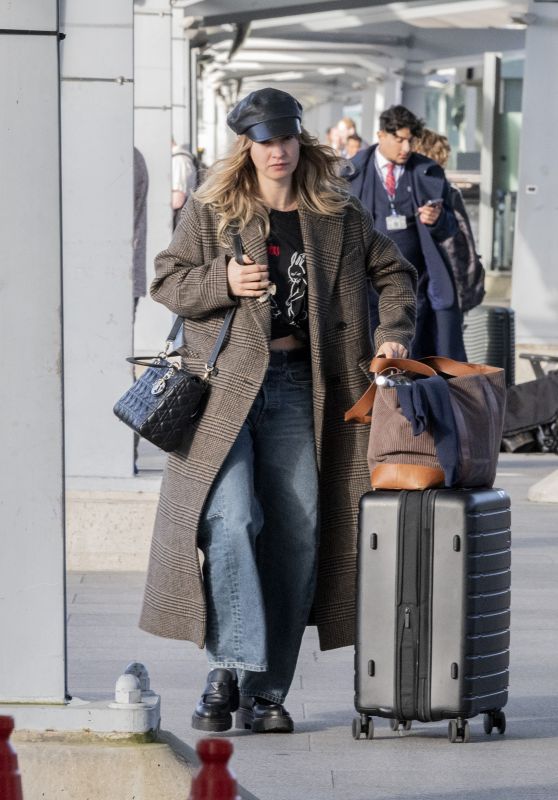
162,405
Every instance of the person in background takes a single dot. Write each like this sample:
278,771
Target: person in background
345,127
184,177
201,163
409,199
139,241
353,145
460,249
268,488
141,185
332,138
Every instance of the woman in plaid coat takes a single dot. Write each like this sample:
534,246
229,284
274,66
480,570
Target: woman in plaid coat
268,488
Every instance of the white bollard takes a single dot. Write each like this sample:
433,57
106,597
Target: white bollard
128,690
140,671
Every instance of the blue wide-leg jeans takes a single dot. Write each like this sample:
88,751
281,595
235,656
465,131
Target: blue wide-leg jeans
259,536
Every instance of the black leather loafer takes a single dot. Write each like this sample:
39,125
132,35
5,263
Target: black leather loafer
263,717
220,697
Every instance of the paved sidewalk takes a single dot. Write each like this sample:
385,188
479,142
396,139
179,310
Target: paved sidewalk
321,760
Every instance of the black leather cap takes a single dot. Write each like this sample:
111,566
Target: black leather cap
265,114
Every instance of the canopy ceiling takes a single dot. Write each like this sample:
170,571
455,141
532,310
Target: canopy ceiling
331,49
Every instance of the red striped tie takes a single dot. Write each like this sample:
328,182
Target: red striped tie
390,179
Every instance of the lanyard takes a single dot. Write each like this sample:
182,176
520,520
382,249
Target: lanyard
391,198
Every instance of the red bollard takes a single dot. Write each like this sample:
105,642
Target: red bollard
214,780
10,779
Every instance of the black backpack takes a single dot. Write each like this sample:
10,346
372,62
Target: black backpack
460,253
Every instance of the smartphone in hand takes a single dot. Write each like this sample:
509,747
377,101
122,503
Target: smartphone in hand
437,202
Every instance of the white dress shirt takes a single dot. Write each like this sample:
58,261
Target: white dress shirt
381,164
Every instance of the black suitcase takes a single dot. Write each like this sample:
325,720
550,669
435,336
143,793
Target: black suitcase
489,338
433,609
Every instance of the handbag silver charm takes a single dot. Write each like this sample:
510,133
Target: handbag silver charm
161,384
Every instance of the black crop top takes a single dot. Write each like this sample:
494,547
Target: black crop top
287,270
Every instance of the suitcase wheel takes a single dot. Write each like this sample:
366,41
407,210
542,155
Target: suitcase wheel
458,731
363,725
405,724
494,719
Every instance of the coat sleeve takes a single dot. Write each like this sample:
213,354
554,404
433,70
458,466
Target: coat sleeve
446,224
395,280
185,282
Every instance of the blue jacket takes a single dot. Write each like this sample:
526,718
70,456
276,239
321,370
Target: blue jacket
428,182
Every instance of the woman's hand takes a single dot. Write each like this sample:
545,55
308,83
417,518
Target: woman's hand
248,279
392,350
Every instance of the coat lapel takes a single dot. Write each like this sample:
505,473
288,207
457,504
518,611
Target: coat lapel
323,244
254,245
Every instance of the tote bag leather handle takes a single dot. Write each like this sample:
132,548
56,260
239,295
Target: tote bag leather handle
458,368
362,409
406,364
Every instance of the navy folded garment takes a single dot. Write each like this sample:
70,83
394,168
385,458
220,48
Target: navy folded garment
426,404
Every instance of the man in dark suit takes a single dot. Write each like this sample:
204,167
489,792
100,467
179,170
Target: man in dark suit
407,195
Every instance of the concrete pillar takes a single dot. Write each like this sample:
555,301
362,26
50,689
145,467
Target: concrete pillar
181,83
413,92
370,120
208,121
153,121
534,273
32,593
224,135
322,116
389,93
469,143
194,97
97,207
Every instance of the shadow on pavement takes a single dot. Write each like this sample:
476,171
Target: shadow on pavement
190,757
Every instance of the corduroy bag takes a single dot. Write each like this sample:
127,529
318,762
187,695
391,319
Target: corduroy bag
398,458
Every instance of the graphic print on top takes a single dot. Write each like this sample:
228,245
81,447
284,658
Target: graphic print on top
287,270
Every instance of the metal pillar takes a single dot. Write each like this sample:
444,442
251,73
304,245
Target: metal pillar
534,273
32,634
490,109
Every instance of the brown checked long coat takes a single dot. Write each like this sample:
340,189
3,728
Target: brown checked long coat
191,281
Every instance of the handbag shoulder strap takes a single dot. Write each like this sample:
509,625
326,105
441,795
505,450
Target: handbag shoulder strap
173,333
179,321
210,364
237,246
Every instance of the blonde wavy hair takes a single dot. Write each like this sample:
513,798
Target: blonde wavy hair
433,145
231,187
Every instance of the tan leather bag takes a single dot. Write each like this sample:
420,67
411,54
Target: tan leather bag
400,460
